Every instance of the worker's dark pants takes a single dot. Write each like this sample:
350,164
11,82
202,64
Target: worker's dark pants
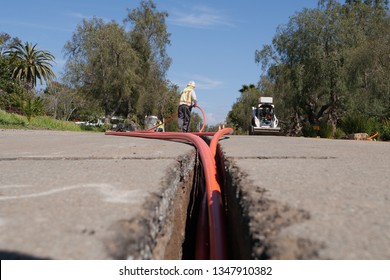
184,117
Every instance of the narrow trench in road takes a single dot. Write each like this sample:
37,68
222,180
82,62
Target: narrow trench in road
237,225
244,222
253,220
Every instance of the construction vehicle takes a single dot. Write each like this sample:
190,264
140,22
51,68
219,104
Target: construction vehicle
264,121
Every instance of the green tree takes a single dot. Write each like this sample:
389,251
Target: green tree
367,70
239,117
327,61
10,89
32,64
63,102
149,39
311,55
102,64
170,100
196,122
124,69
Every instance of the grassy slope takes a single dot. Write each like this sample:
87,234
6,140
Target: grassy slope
15,121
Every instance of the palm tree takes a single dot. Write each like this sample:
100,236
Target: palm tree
31,64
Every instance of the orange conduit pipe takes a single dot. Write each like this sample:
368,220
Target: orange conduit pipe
217,136
216,241
216,219
204,118
202,240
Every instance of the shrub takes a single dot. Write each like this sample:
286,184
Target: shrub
32,107
360,124
10,119
326,130
374,126
385,131
309,131
339,133
353,124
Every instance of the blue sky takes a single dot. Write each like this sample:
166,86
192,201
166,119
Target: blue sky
213,42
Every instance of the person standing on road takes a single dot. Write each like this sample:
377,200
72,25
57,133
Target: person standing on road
187,101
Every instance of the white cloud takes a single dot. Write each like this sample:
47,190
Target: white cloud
200,17
202,82
87,17
78,15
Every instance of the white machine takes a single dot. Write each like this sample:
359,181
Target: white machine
264,121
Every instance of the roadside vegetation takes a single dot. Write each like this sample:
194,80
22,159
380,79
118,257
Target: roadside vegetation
16,121
112,71
328,72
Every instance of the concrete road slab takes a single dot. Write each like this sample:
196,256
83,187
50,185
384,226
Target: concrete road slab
312,198
67,195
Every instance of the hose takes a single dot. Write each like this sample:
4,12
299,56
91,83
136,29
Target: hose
175,115
373,136
212,198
